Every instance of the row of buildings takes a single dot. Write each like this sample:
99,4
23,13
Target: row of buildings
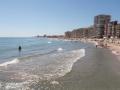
103,27
80,33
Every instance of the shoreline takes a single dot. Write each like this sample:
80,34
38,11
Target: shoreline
114,47
111,44
92,72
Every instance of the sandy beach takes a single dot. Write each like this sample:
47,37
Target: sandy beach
114,47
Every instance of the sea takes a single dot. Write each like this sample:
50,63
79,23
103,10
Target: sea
41,60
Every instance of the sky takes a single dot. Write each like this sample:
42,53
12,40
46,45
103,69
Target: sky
20,18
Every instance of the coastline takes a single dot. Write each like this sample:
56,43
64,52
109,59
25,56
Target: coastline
91,72
51,66
114,47
98,70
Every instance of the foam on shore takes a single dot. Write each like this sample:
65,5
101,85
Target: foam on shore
63,63
14,61
67,67
49,42
115,52
60,49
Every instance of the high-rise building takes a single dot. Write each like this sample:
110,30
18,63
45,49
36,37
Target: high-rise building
114,23
101,25
118,30
111,31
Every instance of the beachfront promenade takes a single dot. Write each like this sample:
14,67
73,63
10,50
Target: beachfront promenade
98,70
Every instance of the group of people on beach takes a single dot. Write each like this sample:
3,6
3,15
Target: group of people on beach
101,44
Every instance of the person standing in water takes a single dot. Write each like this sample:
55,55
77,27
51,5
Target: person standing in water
19,49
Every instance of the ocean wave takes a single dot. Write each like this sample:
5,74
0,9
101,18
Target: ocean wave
58,66
62,64
66,63
14,61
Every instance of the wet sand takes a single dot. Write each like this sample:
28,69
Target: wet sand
98,70
114,48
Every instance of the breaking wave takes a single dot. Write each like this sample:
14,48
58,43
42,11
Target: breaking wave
14,61
34,69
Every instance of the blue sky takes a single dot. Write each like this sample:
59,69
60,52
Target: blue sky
32,17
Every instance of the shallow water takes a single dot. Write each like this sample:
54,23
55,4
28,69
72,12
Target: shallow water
40,60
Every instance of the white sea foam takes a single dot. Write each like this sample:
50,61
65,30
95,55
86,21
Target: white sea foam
20,85
115,52
68,64
14,86
49,42
60,49
64,63
54,82
14,61
61,66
